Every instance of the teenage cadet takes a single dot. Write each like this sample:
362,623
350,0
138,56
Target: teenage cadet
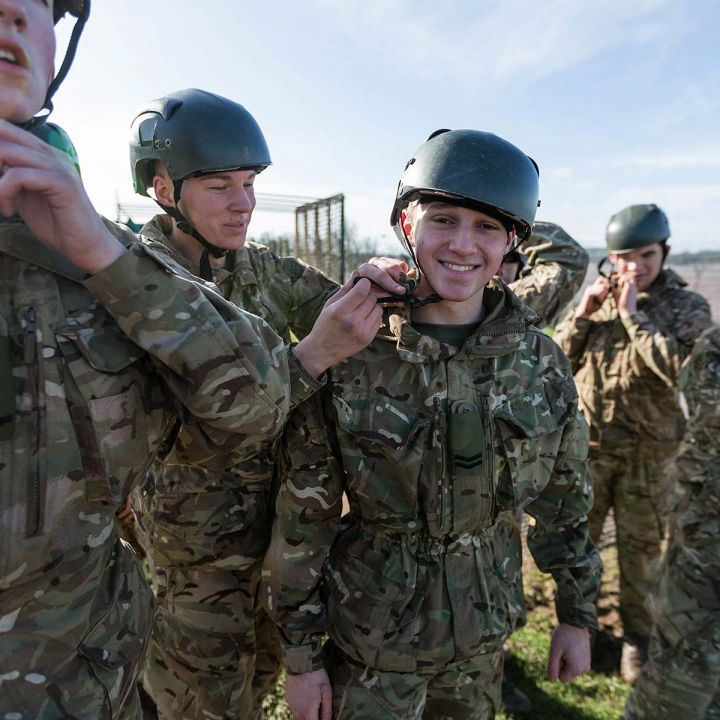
681,678
458,416
203,531
103,344
626,340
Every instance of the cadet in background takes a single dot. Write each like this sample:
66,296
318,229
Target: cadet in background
681,678
204,530
457,416
626,340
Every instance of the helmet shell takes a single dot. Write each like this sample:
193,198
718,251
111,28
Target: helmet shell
475,168
194,132
636,226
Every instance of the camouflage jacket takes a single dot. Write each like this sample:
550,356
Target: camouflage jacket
436,447
92,374
555,270
687,603
626,370
219,516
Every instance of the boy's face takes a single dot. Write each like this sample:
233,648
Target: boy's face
644,264
458,249
219,205
27,52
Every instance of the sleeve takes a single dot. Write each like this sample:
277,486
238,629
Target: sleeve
226,369
572,336
664,352
556,268
307,518
560,541
309,289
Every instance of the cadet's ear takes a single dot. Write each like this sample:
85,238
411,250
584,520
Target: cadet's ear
406,222
164,189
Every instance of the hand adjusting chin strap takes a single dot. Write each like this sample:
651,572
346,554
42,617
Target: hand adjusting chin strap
184,225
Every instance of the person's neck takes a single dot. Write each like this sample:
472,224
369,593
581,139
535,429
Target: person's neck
447,312
191,249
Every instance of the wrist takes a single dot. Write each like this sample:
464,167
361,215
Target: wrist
313,362
105,250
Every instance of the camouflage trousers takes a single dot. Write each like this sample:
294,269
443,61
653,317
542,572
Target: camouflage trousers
679,682
214,653
467,690
637,489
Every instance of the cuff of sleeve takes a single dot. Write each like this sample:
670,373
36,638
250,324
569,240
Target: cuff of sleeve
299,659
569,614
123,279
302,384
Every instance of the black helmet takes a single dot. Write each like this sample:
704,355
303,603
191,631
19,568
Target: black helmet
194,132
636,226
475,168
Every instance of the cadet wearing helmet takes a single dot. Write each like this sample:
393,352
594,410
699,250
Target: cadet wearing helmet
103,344
681,678
458,416
627,340
204,531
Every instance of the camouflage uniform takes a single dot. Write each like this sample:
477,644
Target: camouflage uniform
435,447
93,371
626,373
682,676
204,531
555,270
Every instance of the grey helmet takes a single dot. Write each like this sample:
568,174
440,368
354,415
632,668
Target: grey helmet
472,168
194,132
636,226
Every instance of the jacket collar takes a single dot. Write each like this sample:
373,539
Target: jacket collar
500,332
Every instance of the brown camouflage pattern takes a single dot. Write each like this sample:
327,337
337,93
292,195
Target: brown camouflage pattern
205,530
555,270
92,378
682,676
626,374
435,447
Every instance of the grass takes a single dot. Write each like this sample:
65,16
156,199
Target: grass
599,695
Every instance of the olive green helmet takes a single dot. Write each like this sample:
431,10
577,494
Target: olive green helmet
194,132
473,168
636,226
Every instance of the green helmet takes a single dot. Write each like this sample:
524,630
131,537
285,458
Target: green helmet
194,132
475,168
636,226
56,137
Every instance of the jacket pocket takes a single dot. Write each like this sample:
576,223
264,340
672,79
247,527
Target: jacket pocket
115,646
530,429
109,410
370,617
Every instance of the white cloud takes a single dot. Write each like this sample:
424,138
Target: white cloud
670,159
502,41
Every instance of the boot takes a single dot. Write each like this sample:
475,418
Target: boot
634,656
514,701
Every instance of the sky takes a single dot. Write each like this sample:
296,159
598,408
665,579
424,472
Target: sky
617,100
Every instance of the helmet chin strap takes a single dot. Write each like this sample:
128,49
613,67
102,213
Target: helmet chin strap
62,72
184,225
